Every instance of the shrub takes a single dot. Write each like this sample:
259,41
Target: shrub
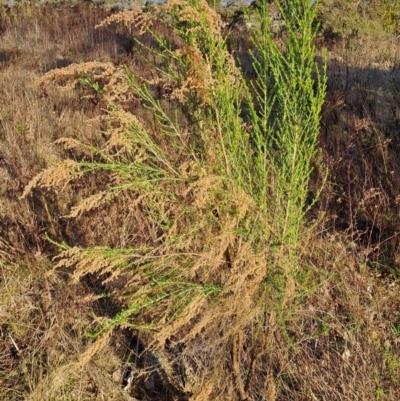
217,168
346,18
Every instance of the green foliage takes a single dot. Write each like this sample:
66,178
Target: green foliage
290,91
389,12
347,18
91,83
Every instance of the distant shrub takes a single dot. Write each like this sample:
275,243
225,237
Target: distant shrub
345,18
389,12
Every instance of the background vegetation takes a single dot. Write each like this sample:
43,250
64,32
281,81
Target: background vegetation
148,251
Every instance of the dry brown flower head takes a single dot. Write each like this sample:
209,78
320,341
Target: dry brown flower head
66,78
58,175
139,19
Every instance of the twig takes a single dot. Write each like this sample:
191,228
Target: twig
236,367
14,343
136,349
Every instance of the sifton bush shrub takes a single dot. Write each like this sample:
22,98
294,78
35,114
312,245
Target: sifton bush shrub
224,199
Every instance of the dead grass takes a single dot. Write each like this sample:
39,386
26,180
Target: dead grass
338,336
